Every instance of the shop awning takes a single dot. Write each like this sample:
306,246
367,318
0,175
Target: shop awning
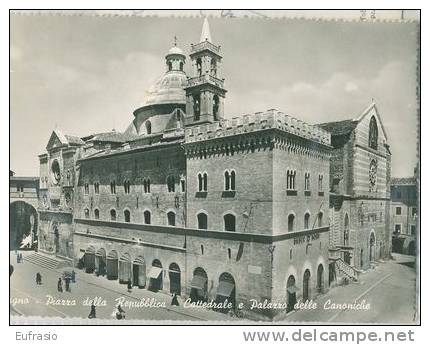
224,288
155,272
198,282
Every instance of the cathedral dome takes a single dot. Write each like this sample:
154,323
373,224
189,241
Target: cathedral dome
168,89
175,51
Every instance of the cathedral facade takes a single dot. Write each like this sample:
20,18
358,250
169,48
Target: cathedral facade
242,211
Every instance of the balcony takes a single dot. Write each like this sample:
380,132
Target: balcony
206,78
206,45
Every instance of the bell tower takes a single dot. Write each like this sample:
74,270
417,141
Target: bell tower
205,91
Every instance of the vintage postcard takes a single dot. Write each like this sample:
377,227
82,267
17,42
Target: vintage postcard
214,167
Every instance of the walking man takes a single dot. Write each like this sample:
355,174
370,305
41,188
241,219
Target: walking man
92,314
60,285
38,278
67,279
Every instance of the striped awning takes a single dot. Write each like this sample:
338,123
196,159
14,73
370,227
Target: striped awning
225,288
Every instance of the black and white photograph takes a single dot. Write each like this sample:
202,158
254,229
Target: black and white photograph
214,168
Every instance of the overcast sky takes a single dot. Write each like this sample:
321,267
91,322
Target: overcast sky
85,75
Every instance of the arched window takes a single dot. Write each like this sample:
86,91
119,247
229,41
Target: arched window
291,180
320,219
306,221
346,230
202,220
227,180
127,187
291,224
213,67
170,65
113,187
199,66
87,213
200,178
233,180
170,184
147,217
182,185
196,107
230,180
96,214
146,185
112,215
148,127
127,216
181,66
96,188
171,218
215,107
373,133
229,222
205,182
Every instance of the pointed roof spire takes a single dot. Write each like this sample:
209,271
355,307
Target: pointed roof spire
206,32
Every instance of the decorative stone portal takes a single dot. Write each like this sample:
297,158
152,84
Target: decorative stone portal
100,262
125,269
199,285
175,279
156,276
112,265
226,291
90,259
291,293
139,272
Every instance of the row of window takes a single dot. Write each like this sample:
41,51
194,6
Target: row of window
291,181
202,219
127,184
398,229
399,211
291,226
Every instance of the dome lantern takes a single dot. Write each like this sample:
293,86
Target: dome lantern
175,58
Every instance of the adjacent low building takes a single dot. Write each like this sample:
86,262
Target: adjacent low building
404,215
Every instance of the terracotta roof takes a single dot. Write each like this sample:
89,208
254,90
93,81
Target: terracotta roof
113,137
72,140
23,178
339,127
403,181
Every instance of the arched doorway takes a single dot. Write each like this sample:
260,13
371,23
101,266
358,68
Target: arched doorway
139,272
291,293
412,248
175,278
320,278
101,262
90,259
23,226
112,265
226,291
199,285
372,247
124,269
306,278
156,276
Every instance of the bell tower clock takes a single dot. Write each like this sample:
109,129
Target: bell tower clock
205,91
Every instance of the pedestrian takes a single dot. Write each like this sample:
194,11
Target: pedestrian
73,276
67,279
60,285
38,278
17,258
92,314
175,300
20,258
120,313
129,286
